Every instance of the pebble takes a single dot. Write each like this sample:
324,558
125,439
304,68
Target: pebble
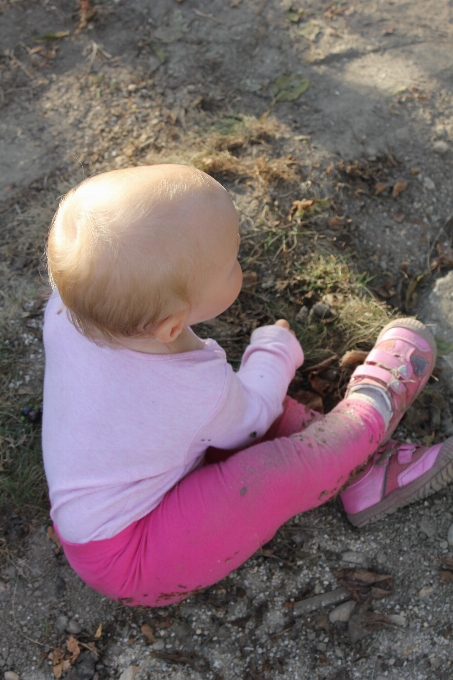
426,591
302,314
450,535
74,627
157,646
129,673
355,558
440,147
428,183
342,612
322,311
11,675
398,620
443,545
428,528
60,623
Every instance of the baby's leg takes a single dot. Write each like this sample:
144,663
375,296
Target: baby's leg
295,418
219,515
214,519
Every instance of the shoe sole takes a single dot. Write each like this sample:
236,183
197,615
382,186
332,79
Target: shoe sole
435,479
421,330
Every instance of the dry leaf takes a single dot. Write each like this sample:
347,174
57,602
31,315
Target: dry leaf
379,188
51,534
249,280
312,401
446,576
148,632
73,646
58,670
399,186
353,357
98,632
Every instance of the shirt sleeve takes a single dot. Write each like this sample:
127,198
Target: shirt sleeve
252,398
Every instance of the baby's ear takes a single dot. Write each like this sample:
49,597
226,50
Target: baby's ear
169,328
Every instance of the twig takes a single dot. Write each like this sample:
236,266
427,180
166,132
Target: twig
435,241
19,63
208,16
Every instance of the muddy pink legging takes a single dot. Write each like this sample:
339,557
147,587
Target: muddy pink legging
214,519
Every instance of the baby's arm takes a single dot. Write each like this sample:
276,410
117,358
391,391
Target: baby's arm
252,398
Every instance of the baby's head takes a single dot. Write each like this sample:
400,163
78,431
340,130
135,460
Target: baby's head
132,248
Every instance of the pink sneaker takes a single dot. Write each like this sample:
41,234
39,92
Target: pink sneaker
397,475
400,363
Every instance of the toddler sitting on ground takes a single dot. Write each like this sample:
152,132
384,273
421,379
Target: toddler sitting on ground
134,400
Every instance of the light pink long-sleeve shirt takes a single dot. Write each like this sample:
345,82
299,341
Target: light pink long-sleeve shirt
121,428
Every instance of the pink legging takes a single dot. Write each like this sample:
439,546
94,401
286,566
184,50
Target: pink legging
214,519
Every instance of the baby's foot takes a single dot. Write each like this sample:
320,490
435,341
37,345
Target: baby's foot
397,474
396,370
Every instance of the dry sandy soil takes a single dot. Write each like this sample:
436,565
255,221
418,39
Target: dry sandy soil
132,82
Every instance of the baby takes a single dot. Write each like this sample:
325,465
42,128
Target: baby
167,469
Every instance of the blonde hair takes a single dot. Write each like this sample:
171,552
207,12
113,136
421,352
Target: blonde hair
117,250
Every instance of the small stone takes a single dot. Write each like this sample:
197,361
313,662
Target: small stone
440,147
381,557
450,535
74,627
398,620
322,311
11,675
321,647
355,558
60,623
426,591
302,314
157,646
428,528
443,545
342,612
129,673
60,587
428,184
318,588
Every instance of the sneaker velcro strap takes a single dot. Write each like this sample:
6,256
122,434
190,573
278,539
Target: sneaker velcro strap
388,361
387,378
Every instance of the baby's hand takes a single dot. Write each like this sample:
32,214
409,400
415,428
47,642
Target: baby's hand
284,324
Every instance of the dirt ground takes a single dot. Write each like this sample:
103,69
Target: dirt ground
366,149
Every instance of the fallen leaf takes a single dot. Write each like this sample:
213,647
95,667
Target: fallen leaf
336,222
148,632
353,357
310,30
295,15
289,88
446,576
58,670
379,188
73,646
98,632
311,400
399,186
51,534
52,35
415,171
249,281
333,299
444,260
